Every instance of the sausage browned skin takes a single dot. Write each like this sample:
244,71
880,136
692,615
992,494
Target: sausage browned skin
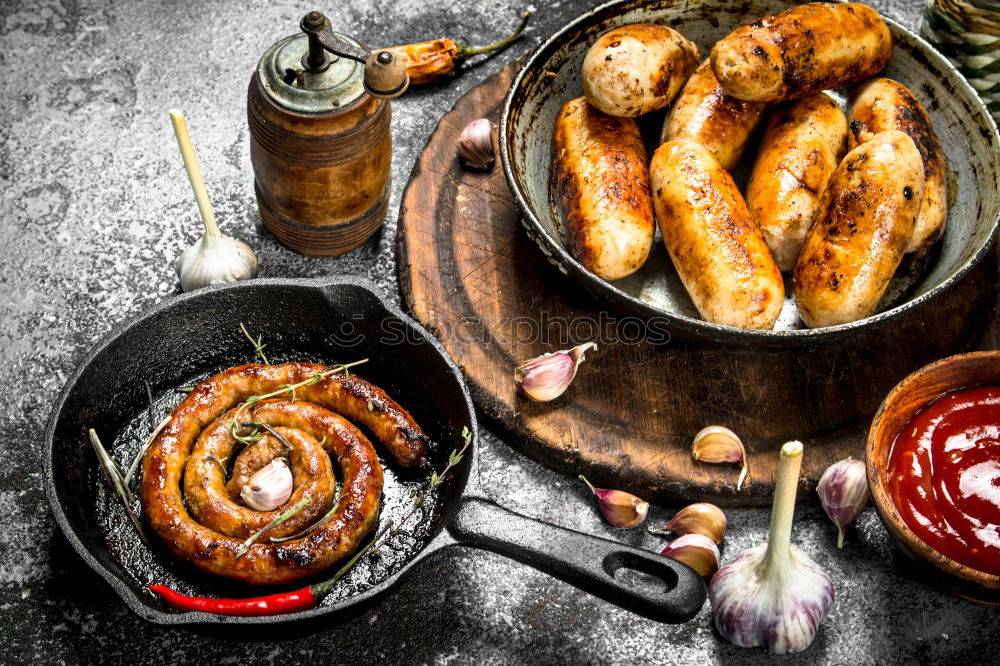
802,145
883,104
637,68
313,416
801,51
715,245
602,184
866,219
705,114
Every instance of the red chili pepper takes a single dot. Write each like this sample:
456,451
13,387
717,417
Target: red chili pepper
271,604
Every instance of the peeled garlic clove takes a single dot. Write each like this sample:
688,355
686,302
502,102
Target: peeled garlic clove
620,508
548,376
717,444
773,595
700,518
843,492
695,550
475,144
269,487
213,259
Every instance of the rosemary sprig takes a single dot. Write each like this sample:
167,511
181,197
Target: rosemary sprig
271,525
258,344
277,435
185,389
149,399
312,528
390,530
113,475
145,447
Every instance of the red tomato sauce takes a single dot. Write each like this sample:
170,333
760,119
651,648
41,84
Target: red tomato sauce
944,476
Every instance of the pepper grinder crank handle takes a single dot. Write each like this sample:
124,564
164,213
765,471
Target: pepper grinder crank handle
385,74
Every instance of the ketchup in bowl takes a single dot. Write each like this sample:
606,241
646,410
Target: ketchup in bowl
944,476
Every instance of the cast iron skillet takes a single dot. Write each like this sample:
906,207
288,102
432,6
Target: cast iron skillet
334,321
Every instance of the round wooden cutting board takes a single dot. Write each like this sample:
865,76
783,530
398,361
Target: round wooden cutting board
470,274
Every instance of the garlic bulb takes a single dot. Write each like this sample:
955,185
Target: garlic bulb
698,518
773,595
475,145
843,492
214,258
695,550
269,487
548,376
619,508
717,444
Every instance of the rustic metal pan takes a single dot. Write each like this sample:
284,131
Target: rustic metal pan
334,321
551,76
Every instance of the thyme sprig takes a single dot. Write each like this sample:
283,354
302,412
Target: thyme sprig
391,530
273,524
113,476
312,528
258,344
314,379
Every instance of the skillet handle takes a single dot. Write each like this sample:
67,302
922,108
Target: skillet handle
588,562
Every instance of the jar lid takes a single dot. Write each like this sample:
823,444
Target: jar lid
286,81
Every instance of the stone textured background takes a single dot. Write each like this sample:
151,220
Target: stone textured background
95,207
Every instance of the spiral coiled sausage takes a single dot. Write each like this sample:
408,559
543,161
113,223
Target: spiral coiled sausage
195,512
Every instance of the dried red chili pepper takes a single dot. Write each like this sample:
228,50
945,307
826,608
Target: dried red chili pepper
436,59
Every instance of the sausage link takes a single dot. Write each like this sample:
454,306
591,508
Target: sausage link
866,219
801,51
705,114
802,146
715,245
637,68
207,408
602,184
883,104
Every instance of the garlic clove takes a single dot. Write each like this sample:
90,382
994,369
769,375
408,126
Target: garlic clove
718,444
699,518
475,145
843,492
213,259
697,551
773,595
548,376
619,508
269,487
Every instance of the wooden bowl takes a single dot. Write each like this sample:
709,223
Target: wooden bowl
909,397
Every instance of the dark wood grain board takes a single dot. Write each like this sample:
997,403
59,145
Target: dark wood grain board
471,275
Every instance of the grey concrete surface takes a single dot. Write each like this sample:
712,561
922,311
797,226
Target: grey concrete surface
95,206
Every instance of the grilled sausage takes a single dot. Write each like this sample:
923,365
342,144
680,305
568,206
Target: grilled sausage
717,249
867,216
884,104
195,431
602,184
801,51
802,145
637,68
705,114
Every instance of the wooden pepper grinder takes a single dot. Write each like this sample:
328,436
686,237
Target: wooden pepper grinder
318,109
